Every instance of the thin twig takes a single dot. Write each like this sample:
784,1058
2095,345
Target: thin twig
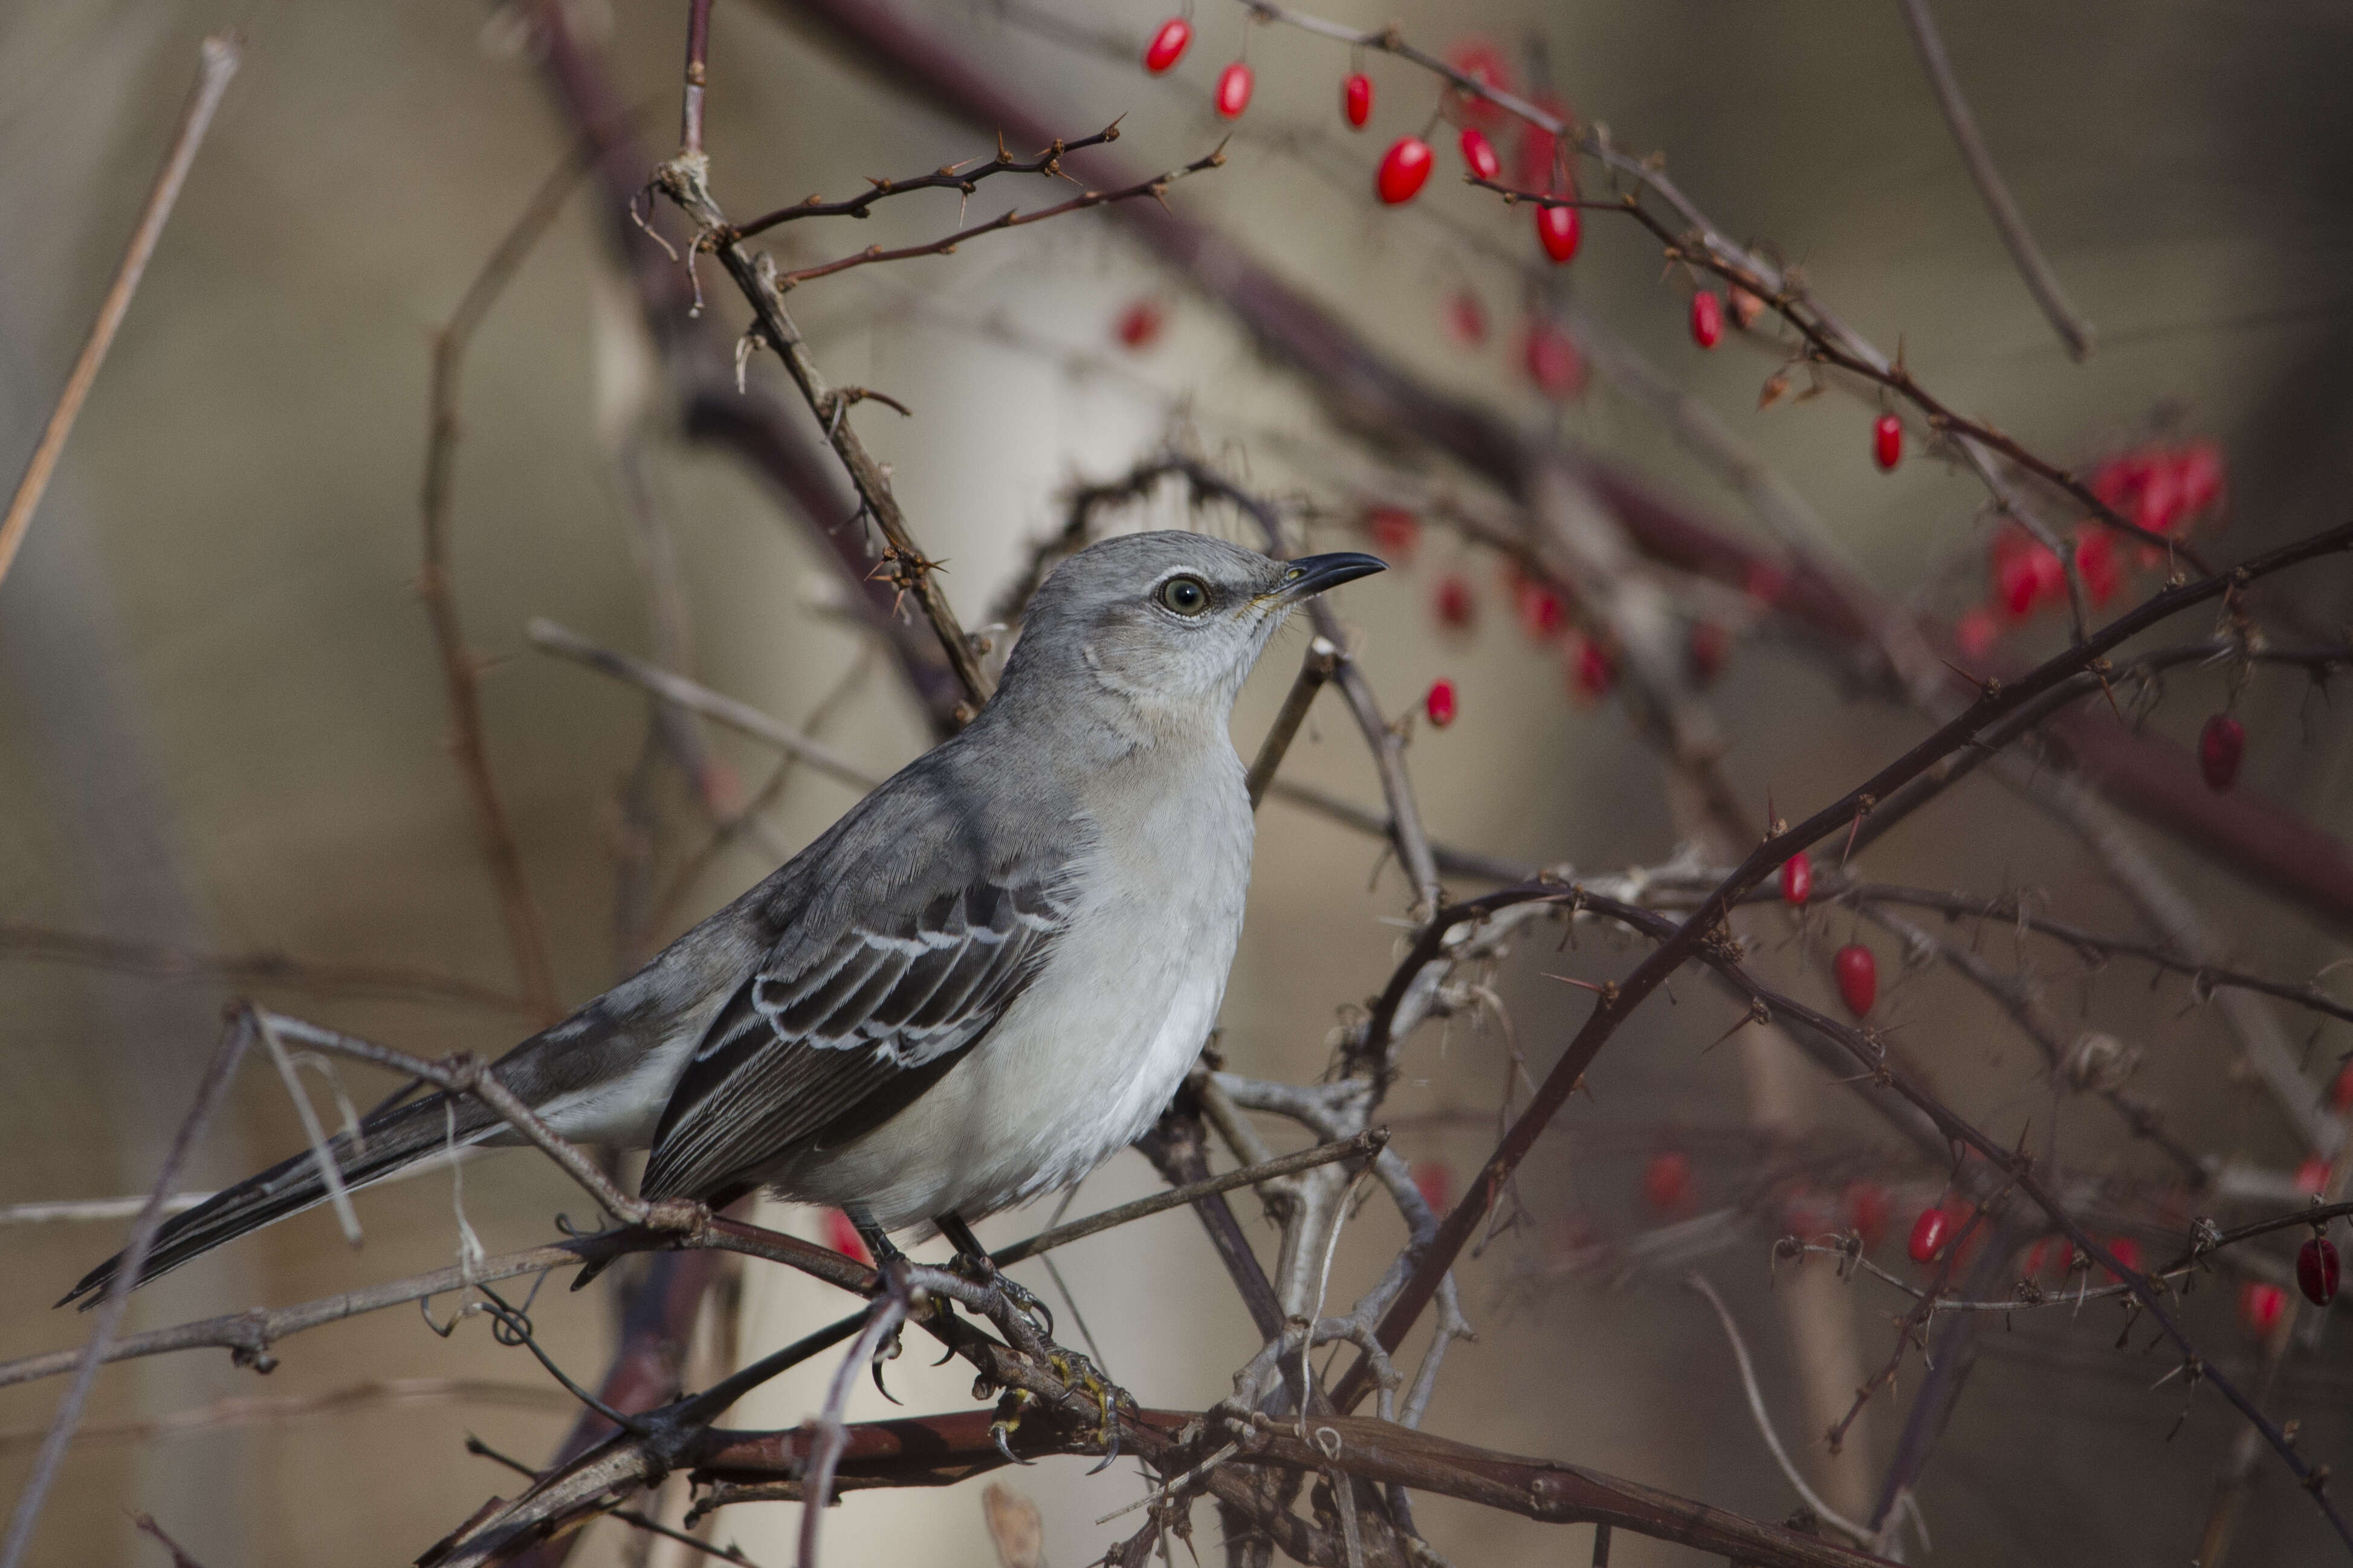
1156,188
671,688
1822,1510
2040,282
217,61
1315,670
961,177
330,1175
460,666
237,1035
25,940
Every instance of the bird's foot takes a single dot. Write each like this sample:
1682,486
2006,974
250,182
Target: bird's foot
1014,1297
1077,1372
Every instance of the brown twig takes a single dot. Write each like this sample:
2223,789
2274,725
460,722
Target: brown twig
217,61
1154,187
2040,282
460,666
685,179
1323,659
964,177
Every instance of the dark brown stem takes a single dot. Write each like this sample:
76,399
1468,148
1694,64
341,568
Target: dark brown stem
961,177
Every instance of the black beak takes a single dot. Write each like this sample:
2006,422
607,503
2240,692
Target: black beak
1312,575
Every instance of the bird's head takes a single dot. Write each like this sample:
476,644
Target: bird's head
1165,624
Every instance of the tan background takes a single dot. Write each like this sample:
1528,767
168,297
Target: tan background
221,722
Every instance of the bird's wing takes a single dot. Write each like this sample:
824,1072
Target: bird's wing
814,1051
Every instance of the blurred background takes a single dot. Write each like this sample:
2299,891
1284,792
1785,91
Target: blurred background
224,726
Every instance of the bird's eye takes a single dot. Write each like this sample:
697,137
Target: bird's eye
1185,595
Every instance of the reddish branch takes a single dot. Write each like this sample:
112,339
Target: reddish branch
939,1450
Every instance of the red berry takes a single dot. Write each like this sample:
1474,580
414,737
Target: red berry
1435,1181
843,1237
1745,308
1169,45
1535,159
1593,671
2159,505
1765,583
1706,319
2014,582
1440,703
1868,1210
1667,1181
2261,1305
2316,1270
1452,601
1558,230
1709,645
1858,977
1541,614
1467,319
1479,155
1887,441
2049,574
2124,1250
1356,100
1395,530
1139,325
2220,744
1403,169
2095,558
1483,63
2340,1089
1928,1232
2200,476
1976,632
2311,1176
1554,364
1797,879
1234,84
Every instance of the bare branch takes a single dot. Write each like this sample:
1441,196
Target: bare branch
217,61
2040,282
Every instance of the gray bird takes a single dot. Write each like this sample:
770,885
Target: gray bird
982,982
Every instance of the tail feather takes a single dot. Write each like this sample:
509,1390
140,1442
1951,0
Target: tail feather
390,1141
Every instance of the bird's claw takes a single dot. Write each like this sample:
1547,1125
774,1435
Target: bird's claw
1009,1417
887,1350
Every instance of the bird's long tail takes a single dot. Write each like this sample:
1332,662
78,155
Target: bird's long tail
389,1141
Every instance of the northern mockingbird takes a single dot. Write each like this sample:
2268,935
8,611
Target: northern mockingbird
981,982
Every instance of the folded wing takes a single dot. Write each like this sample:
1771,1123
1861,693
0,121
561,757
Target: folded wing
810,1054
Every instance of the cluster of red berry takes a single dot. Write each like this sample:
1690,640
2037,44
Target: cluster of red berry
2165,491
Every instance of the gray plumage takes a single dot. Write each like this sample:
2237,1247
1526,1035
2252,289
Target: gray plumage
985,978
